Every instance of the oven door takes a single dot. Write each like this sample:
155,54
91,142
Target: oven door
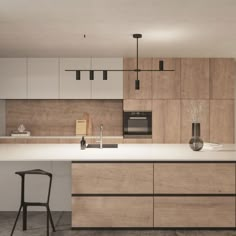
137,124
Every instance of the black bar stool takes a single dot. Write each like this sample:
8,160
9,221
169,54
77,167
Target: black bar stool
24,204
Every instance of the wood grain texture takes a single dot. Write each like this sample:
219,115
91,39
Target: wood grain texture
166,85
223,76
137,105
194,178
187,119
222,121
194,212
112,178
195,78
145,91
112,212
166,121
57,117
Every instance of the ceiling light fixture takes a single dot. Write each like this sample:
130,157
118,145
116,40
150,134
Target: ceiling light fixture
137,70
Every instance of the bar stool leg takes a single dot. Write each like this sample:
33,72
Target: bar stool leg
13,229
24,217
47,222
51,221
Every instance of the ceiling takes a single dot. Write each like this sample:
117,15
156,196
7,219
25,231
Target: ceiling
170,28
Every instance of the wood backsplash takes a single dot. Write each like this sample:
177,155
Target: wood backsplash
57,117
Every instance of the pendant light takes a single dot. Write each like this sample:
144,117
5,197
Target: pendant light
137,70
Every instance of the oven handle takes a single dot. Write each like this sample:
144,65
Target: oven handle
137,118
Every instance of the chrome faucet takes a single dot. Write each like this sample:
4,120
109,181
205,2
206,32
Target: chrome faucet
101,130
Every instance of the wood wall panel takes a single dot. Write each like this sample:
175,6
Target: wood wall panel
137,105
112,211
145,91
166,121
187,119
112,178
222,78
195,78
222,121
194,212
194,178
166,85
57,117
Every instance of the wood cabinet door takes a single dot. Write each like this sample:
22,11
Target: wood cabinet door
194,212
112,88
13,78
196,178
222,121
112,212
137,105
70,88
195,78
166,121
166,84
145,91
118,178
43,78
222,78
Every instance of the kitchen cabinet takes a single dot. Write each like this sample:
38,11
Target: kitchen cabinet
166,84
112,212
223,77
194,212
13,78
196,178
112,88
222,121
43,78
145,77
166,121
70,88
137,105
195,78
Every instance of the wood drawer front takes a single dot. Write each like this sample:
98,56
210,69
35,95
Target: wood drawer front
194,178
112,178
112,212
194,212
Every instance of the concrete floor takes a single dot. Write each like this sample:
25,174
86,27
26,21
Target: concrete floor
62,221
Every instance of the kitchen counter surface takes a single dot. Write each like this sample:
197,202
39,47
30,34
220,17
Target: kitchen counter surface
124,152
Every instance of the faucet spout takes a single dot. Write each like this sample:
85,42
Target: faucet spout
101,133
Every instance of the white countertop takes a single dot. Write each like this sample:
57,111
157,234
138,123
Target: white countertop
64,137
124,152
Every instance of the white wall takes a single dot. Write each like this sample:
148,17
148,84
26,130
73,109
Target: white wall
36,186
2,117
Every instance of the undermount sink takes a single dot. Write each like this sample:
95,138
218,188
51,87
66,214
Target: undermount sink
103,146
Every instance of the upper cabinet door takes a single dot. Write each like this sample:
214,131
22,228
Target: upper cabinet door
13,78
195,78
222,80
112,88
43,78
145,77
70,88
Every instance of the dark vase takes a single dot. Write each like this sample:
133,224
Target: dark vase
196,143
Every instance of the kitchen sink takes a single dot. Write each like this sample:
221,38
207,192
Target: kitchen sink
103,146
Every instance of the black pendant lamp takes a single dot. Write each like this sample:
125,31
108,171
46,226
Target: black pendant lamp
137,70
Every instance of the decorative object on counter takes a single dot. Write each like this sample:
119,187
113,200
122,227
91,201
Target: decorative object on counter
196,143
83,144
137,70
195,111
21,131
81,127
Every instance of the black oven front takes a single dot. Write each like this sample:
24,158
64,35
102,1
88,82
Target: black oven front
137,124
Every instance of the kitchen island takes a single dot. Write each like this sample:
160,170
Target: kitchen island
158,186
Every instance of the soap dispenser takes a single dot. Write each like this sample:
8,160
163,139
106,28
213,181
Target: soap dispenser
83,144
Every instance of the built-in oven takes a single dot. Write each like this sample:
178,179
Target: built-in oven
137,124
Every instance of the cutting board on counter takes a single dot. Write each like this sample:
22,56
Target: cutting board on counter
84,125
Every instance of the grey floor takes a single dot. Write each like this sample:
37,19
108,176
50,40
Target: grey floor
62,220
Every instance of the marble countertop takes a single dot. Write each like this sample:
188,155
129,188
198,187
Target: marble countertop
124,152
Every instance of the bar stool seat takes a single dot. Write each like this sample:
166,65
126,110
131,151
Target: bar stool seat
24,204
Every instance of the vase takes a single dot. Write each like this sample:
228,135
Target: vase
196,143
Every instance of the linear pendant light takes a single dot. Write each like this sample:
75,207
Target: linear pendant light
137,70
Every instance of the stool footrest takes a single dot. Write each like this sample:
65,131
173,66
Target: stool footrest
35,204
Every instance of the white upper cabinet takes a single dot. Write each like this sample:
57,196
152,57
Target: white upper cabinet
43,78
13,78
70,88
112,88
